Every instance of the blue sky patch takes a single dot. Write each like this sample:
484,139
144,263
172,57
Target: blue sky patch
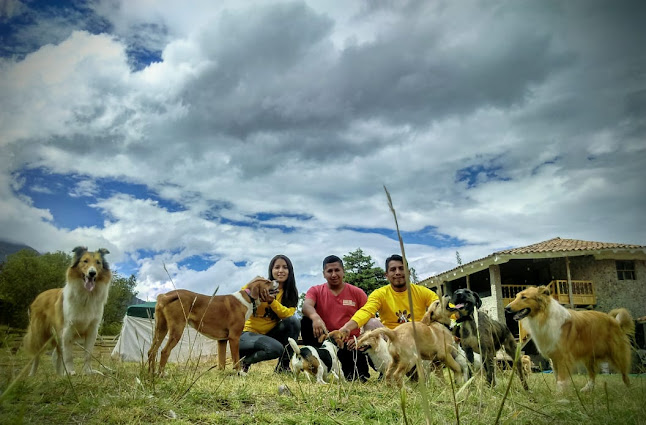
426,236
70,208
479,173
196,262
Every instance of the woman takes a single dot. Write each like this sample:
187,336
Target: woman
265,333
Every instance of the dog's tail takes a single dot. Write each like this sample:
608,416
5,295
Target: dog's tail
626,322
295,347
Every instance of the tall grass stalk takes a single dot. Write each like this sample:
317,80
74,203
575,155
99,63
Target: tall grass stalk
420,369
511,378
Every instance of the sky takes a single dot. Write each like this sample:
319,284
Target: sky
197,142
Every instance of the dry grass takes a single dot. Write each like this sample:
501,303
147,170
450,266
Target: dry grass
195,394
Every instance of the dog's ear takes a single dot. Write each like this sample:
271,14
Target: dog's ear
78,252
545,290
254,288
478,300
103,252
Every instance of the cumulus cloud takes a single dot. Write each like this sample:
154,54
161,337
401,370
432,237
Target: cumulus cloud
239,130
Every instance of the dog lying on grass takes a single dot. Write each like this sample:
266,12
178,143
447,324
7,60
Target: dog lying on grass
493,334
568,337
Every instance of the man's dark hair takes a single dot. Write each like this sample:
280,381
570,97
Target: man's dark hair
395,257
332,259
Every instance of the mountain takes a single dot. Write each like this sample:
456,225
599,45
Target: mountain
7,248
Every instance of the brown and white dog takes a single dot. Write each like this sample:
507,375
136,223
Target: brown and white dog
568,337
319,362
220,317
73,313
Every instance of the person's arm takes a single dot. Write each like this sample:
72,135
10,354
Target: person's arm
309,310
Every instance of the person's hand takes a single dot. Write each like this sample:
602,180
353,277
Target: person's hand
318,326
265,296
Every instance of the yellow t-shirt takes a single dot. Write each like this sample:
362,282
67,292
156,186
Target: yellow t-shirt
393,307
262,323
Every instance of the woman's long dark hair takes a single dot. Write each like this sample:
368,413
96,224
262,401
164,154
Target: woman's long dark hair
290,292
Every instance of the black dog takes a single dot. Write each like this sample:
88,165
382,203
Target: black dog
493,334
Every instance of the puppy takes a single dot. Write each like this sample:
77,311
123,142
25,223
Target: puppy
568,337
219,317
318,362
493,334
435,343
62,316
376,347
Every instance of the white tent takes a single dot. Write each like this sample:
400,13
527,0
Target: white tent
137,333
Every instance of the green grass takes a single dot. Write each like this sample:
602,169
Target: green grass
127,395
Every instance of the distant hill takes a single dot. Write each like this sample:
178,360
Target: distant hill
8,248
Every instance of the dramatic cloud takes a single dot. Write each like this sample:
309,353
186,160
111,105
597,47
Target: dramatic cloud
197,142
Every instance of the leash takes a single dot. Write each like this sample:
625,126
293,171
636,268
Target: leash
254,307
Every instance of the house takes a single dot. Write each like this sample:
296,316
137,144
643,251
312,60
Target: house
581,274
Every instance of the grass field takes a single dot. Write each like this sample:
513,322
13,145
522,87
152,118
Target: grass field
195,394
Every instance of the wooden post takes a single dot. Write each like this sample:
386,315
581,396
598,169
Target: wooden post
569,282
468,282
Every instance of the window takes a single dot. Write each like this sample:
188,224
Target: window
626,270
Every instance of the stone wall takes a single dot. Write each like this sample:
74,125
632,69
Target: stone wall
611,292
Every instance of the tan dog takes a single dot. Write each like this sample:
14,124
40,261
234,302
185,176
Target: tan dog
374,344
527,364
73,313
220,317
435,343
568,337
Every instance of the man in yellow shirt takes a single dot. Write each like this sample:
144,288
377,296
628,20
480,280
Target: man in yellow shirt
391,301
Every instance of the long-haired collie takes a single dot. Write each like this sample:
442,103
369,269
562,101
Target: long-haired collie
60,317
569,337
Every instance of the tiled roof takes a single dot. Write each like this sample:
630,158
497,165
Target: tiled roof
544,248
561,245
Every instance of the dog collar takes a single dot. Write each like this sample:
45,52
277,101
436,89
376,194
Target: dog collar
461,319
253,301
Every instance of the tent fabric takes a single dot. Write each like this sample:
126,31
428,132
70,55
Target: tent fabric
145,310
136,337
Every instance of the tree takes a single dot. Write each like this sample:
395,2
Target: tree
121,294
26,274
413,275
360,271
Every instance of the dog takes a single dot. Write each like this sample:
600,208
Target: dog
493,334
527,364
374,344
440,311
568,337
219,317
318,362
435,343
60,317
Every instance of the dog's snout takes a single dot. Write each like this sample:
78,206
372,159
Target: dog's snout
508,309
92,273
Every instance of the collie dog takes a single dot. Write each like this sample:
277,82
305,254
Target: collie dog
63,316
568,337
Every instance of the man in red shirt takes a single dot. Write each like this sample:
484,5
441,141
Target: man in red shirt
327,307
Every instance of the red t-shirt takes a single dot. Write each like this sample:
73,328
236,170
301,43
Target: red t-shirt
336,310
